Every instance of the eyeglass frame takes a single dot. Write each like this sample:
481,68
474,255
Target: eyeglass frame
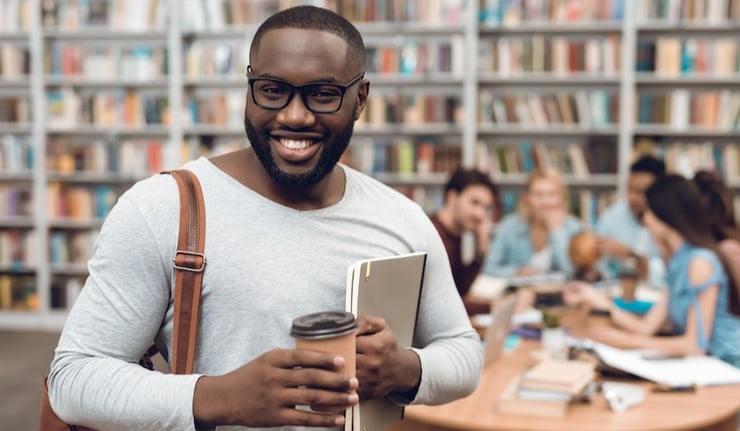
299,88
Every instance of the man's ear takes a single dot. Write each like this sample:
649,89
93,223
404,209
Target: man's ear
362,93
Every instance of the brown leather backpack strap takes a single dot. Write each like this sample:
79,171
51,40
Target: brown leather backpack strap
189,263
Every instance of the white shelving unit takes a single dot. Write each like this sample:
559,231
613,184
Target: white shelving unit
460,135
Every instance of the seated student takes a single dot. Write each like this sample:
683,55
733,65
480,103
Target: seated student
469,199
718,202
623,239
697,300
535,239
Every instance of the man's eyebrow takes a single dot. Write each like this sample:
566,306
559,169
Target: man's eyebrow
330,80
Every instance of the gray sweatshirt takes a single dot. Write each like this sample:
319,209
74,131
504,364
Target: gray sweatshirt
267,264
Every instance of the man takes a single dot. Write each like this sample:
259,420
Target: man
284,222
624,241
469,198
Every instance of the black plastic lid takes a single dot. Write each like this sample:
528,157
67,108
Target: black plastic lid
325,324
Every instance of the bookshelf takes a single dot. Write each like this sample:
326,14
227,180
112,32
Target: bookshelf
96,95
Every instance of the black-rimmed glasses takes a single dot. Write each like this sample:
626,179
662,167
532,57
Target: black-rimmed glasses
318,97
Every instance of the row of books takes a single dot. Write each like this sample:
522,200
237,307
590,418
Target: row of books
682,108
586,108
18,293
14,109
428,12
17,249
101,62
14,61
685,157
15,200
216,58
585,204
215,107
16,154
64,291
15,15
672,56
430,199
512,12
71,246
68,108
559,55
403,156
201,15
415,57
415,108
89,203
578,159
209,146
128,158
711,11
119,15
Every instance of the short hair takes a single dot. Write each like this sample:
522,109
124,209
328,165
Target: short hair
649,164
315,18
463,178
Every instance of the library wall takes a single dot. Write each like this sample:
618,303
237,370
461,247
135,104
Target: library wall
97,94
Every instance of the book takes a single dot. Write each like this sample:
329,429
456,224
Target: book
566,376
387,287
510,402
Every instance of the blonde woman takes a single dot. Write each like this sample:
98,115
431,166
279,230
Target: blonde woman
534,240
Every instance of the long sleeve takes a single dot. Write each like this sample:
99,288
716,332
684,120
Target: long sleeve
559,242
95,379
452,358
499,261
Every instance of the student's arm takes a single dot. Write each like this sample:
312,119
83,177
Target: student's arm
648,324
691,342
559,240
497,262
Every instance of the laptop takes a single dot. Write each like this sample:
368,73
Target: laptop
498,330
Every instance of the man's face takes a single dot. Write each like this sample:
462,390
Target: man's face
472,206
637,183
296,146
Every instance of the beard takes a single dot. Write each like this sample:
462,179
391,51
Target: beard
328,158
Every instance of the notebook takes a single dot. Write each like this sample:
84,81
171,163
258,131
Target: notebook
496,333
387,287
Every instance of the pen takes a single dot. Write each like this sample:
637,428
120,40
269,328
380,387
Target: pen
674,389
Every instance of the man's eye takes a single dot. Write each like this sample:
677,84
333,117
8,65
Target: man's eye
325,93
273,90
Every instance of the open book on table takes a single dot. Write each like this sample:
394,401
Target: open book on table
387,287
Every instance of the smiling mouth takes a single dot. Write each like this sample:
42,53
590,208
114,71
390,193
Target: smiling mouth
295,144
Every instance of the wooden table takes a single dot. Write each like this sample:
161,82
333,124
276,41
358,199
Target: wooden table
709,408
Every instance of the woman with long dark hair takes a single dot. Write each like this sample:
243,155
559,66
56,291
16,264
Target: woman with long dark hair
700,292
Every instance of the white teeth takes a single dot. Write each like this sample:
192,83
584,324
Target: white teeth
295,145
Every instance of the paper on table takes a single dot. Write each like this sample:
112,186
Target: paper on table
690,370
487,286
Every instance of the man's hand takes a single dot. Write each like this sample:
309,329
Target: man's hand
483,236
382,366
265,391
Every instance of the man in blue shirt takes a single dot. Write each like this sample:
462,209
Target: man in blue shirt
624,242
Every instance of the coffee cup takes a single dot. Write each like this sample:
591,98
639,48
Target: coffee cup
328,331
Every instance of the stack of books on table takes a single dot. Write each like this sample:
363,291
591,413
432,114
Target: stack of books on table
547,388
